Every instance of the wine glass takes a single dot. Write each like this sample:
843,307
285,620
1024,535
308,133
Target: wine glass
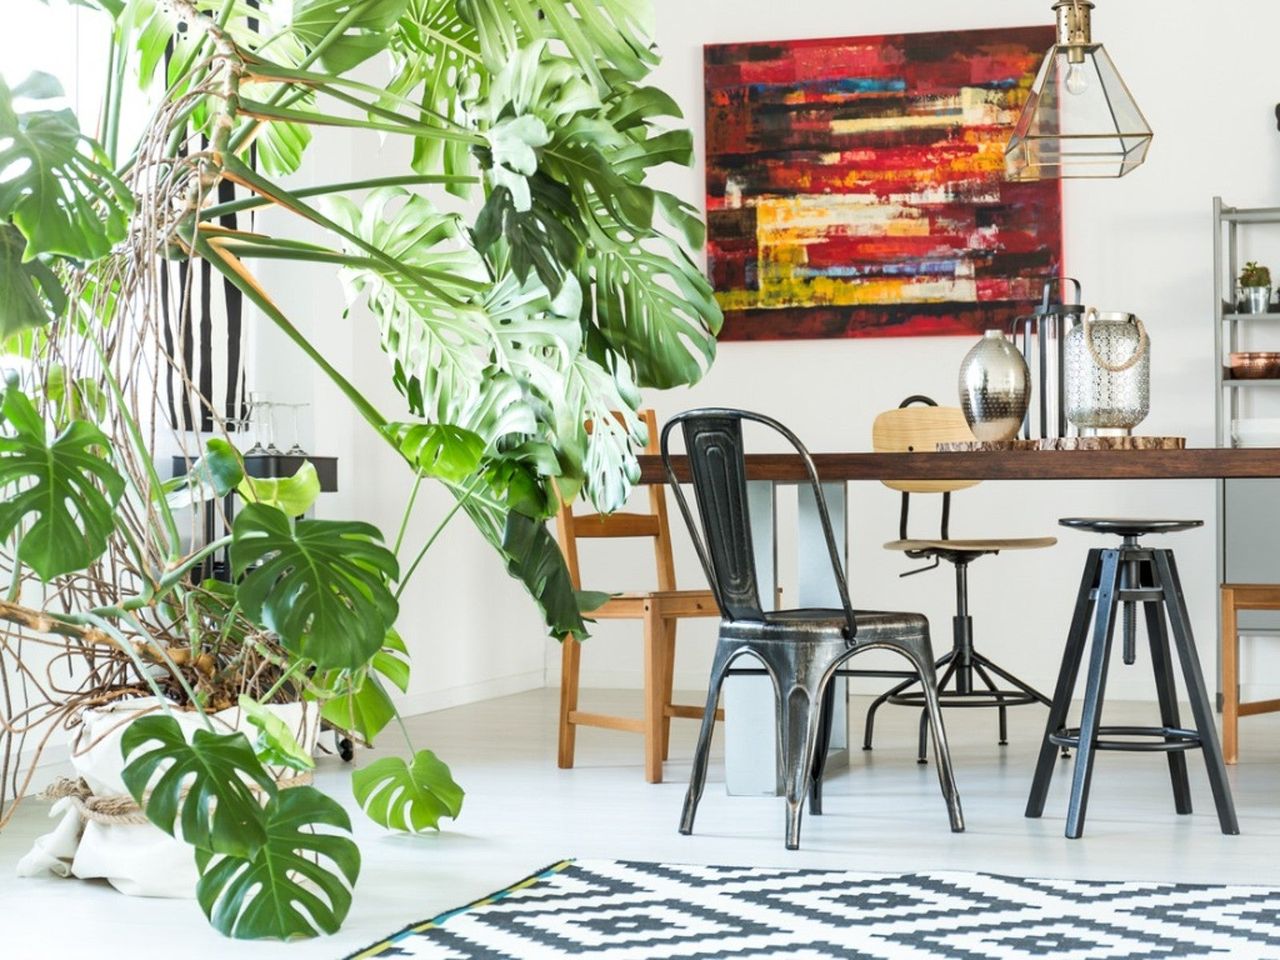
252,422
269,428
296,450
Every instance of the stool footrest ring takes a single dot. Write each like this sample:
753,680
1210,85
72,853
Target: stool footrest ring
1165,739
975,698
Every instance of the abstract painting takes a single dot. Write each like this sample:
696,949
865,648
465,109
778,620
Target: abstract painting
855,187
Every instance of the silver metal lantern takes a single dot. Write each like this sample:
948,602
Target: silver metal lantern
994,388
1108,374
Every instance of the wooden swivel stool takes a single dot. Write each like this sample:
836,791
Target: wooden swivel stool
658,609
966,679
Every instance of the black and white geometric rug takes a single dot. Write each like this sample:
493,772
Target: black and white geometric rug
616,910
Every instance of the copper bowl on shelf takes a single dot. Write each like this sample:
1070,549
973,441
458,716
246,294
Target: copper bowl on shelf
1255,365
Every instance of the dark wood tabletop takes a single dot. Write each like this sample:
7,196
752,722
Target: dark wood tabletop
1191,464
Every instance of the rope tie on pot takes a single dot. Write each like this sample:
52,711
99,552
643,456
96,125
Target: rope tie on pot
123,810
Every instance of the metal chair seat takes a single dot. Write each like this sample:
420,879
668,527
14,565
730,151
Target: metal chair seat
994,545
791,625
1128,526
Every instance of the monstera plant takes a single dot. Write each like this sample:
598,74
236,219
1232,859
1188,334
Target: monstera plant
509,330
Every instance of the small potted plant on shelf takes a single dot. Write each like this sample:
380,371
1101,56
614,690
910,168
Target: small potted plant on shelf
1255,288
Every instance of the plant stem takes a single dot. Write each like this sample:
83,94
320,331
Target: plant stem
156,493
250,203
404,580
408,510
241,136
404,732
275,687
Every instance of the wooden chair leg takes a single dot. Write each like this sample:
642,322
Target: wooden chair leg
570,658
655,642
668,682
1230,678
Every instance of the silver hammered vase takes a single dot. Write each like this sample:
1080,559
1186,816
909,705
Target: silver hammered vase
994,388
1108,375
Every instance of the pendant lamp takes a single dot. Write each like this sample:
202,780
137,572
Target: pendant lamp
1080,119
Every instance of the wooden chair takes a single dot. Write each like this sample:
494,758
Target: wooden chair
658,609
1237,597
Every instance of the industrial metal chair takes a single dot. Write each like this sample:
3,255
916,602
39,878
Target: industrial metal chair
801,650
920,424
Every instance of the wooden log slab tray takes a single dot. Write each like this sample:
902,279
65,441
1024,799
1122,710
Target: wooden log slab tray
1068,443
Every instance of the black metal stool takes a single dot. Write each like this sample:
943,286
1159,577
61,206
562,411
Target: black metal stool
1128,575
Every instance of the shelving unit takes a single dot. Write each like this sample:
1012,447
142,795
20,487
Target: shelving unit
1248,522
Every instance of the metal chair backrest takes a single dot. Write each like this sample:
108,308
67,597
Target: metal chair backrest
717,466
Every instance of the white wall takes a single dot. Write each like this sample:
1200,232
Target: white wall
1208,85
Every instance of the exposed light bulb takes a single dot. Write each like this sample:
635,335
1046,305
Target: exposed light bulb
1076,83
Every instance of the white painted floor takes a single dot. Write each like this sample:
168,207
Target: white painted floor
884,813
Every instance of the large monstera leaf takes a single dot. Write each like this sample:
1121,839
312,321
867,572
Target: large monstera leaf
655,308
437,56
65,487
435,335
201,786
410,797
295,884
54,181
30,292
600,34
368,30
320,585
605,455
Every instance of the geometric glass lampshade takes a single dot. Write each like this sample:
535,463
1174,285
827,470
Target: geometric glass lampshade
1080,119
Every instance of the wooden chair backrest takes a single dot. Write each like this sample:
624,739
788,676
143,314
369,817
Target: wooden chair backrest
572,527
920,428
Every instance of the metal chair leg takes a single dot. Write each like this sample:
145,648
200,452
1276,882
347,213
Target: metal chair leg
1167,696
725,653
799,720
1104,623
946,775
878,702
940,684
1067,674
821,749
1180,626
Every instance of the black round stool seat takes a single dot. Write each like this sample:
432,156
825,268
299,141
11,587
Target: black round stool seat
1128,526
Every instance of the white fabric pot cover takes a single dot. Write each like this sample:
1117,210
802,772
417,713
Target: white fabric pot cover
137,859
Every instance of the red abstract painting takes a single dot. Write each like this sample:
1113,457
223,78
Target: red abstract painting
856,188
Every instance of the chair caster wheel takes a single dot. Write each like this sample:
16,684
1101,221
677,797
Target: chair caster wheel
1065,755
346,750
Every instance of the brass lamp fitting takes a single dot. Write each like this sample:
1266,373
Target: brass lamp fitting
1075,27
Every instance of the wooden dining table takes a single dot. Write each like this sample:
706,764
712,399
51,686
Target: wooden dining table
750,743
